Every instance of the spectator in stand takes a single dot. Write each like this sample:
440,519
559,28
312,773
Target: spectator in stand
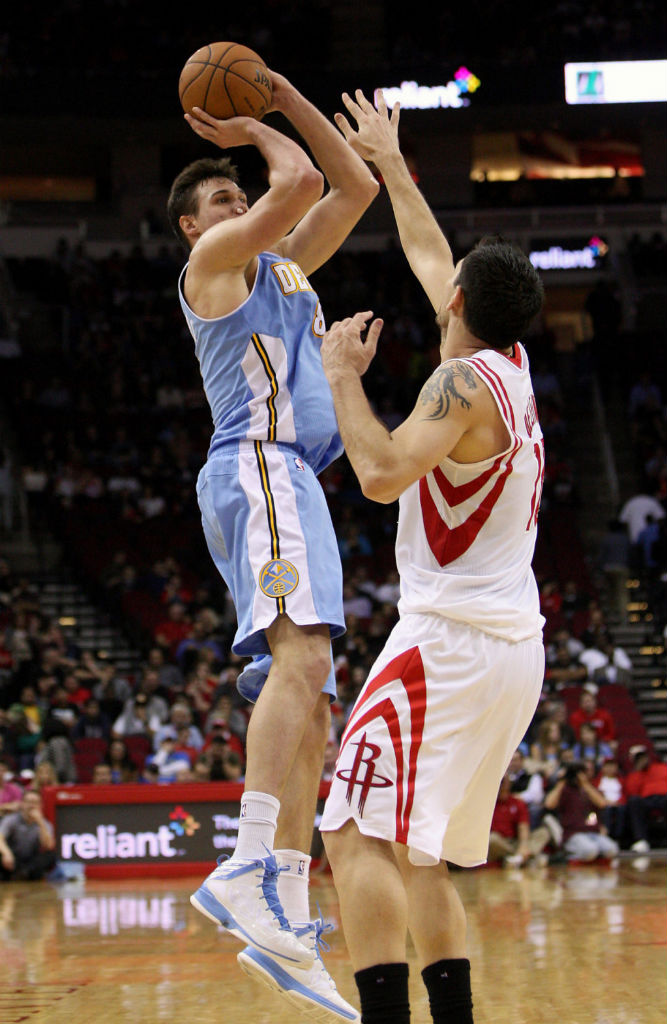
527,786
564,668
634,514
355,603
158,701
111,689
102,775
223,712
170,757
589,747
511,839
220,730
20,737
558,712
551,601
180,717
611,785
645,395
573,600
135,719
121,765
647,545
201,637
44,775
63,709
77,692
93,723
10,793
55,745
605,662
172,630
578,805
171,680
589,711
614,562
27,842
646,790
547,750
34,710
201,683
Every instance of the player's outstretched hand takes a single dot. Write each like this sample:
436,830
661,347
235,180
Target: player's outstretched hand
233,131
344,350
376,134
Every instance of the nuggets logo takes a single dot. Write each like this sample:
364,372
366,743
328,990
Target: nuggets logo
278,578
182,823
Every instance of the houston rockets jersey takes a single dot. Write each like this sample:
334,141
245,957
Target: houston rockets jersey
466,532
261,365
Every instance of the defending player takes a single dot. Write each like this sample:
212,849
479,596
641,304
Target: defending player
451,695
258,326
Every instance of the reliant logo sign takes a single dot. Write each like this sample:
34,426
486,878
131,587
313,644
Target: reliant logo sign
558,258
107,843
130,833
412,96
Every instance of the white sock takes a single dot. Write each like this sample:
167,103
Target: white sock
257,826
293,885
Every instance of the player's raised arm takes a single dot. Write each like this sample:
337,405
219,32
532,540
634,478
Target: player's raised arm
352,187
294,186
387,463
375,138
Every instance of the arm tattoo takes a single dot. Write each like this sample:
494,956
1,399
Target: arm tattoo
440,391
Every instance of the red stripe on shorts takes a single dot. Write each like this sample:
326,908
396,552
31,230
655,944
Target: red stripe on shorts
408,669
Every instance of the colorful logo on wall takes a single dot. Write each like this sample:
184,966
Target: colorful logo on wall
466,82
182,823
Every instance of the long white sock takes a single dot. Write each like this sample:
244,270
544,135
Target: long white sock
257,826
293,885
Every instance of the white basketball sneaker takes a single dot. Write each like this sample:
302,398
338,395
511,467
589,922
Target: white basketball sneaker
241,895
312,992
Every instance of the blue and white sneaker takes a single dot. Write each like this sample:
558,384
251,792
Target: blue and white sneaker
312,992
241,895
252,679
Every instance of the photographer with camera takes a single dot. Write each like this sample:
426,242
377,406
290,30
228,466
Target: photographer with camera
577,804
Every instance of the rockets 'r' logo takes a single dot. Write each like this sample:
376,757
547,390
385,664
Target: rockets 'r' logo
367,754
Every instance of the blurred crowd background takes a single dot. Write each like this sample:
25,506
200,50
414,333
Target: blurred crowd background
115,631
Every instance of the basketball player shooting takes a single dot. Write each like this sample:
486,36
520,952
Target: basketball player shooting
456,686
257,326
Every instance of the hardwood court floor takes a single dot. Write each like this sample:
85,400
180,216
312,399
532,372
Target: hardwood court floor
557,946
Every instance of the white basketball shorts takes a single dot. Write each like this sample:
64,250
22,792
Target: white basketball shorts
430,737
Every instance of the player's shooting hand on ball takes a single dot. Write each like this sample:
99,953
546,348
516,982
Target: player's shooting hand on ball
343,349
233,131
376,135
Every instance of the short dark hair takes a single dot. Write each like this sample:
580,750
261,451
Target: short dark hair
183,198
503,292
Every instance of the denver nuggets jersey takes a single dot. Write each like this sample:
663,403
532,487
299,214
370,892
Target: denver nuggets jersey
466,532
261,366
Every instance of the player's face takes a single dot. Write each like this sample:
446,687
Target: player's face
220,199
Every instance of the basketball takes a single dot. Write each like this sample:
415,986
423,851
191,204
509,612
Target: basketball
225,80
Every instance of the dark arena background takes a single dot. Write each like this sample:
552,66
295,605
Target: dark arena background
543,123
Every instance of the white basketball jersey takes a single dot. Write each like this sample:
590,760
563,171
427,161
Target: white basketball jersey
466,532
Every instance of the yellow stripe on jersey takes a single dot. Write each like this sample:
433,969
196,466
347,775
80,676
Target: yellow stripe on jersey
273,381
271,511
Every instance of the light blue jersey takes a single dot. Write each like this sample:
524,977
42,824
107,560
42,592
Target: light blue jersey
261,366
264,513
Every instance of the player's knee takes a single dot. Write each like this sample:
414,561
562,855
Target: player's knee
314,665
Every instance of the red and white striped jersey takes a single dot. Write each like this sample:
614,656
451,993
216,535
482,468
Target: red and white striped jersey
466,532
